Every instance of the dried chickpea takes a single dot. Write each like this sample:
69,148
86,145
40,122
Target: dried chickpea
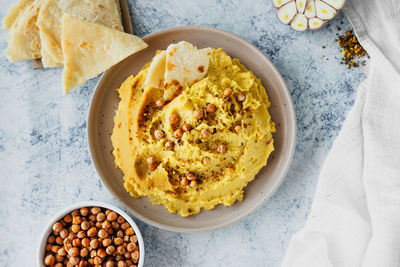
75,228
174,118
74,260
101,253
73,252
92,232
84,252
228,92
222,148
100,217
81,234
102,233
67,218
178,133
186,127
158,134
57,227
106,242
118,241
198,114
129,231
51,239
112,216
64,233
131,247
84,211
110,250
94,243
124,226
49,260
76,219
191,176
85,242
211,108
169,145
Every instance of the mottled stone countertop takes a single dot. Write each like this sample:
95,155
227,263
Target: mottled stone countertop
45,163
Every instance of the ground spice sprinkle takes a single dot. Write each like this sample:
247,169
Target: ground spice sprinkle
351,49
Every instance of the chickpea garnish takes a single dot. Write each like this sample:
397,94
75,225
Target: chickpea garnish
227,92
75,228
205,133
174,118
198,114
102,233
68,218
221,148
241,97
112,216
211,108
92,232
184,181
159,134
131,247
100,216
238,128
160,102
186,127
49,260
57,227
169,145
191,176
178,133
84,252
95,210
86,242
85,225
84,211
229,170
73,252
110,250
193,184
205,161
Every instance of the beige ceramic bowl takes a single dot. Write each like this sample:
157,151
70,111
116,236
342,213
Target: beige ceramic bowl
105,101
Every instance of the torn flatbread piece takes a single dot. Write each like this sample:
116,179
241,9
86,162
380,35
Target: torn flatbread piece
156,71
13,13
185,64
89,49
103,12
23,38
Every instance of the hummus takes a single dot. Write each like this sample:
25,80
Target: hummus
201,148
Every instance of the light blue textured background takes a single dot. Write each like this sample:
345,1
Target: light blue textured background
45,163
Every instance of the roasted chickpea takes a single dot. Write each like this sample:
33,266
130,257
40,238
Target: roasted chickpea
73,252
86,242
121,264
124,226
110,263
51,239
92,217
94,243
228,92
95,210
100,216
75,228
131,247
64,233
57,227
129,232
49,260
55,249
102,233
92,232
135,256
120,250
76,242
106,242
97,260
62,252
81,234
101,253
110,250
112,216
211,108
118,241
67,218
84,211
74,260
84,252
198,114
133,239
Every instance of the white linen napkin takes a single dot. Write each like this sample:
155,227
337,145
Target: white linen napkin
355,217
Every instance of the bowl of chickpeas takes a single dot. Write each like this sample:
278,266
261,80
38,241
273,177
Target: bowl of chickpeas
91,234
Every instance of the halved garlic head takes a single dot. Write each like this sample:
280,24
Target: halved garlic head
304,15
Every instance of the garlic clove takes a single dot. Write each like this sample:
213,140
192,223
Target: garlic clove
310,9
279,3
287,12
299,23
301,5
337,4
324,11
315,23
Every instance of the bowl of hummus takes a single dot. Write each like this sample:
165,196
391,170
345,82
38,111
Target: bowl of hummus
200,126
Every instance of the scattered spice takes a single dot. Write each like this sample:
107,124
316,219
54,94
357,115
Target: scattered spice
351,49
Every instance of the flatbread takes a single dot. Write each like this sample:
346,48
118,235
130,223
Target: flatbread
103,12
156,71
23,38
12,14
89,49
185,64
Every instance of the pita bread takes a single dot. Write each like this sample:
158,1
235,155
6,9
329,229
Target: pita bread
12,14
103,12
185,64
89,49
156,71
23,38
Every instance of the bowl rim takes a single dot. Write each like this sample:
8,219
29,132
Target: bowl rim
47,229
283,172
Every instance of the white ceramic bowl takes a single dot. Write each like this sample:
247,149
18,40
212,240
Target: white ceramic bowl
62,213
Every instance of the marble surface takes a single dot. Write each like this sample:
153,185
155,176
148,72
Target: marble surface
45,163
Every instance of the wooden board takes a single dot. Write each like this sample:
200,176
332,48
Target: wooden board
126,23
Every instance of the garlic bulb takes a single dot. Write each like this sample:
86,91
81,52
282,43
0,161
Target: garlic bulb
304,15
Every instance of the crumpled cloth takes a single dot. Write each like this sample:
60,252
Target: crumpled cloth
355,216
